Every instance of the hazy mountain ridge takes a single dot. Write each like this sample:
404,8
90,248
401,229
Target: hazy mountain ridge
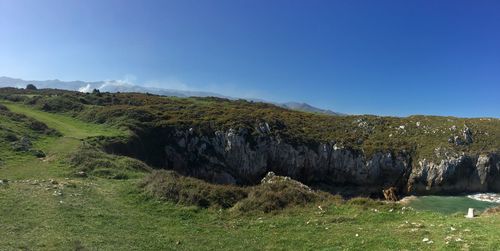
307,108
120,86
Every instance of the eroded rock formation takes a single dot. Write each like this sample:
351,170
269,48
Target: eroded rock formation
238,157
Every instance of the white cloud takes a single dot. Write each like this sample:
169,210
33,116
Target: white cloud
129,81
86,88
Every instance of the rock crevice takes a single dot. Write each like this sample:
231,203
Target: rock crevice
236,157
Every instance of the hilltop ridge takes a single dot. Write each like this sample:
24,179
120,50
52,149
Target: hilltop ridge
237,142
123,86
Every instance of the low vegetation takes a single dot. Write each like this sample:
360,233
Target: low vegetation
492,210
89,161
122,205
170,186
277,193
17,133
273,195
422,136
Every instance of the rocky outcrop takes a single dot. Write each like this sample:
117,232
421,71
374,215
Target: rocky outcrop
456,174
272,178
236,157
231,157
240,157
464,139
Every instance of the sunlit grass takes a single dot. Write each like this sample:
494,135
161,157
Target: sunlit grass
44,207
68,126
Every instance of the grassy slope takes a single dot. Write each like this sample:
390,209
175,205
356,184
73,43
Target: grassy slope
421,136
111,214
68,126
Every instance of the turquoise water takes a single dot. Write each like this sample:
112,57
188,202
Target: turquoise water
449,204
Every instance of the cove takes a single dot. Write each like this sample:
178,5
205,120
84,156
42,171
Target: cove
450,204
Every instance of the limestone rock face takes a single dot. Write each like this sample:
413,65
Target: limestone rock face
240,157
456,174
235,157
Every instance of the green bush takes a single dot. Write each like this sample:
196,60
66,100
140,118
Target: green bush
38,153
10,137
58,103
276,196
266,197
94,162
170,186
31,87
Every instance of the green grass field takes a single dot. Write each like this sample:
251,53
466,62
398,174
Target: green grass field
44,207
68,126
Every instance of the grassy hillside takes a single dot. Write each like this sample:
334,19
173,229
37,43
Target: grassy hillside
422,136
45,206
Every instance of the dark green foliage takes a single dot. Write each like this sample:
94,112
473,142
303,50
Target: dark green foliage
18,132
31,87
38,153
418,135
31,124
57,103
92,161
22,145
267,197
42,128
131,117
10,137
170,186
276,196
13,98
37,126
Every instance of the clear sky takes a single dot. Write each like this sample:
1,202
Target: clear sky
378,57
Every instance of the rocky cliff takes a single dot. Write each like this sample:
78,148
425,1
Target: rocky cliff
456,174
238,157
236,141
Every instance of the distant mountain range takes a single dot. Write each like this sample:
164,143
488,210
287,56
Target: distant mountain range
307,108
120,86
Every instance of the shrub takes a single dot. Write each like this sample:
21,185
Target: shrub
11,137
22,145
37,126
92,161
31,87
38,153
170,186
273,196
59,103
492,210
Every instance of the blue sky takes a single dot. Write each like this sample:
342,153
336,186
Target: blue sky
378,57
